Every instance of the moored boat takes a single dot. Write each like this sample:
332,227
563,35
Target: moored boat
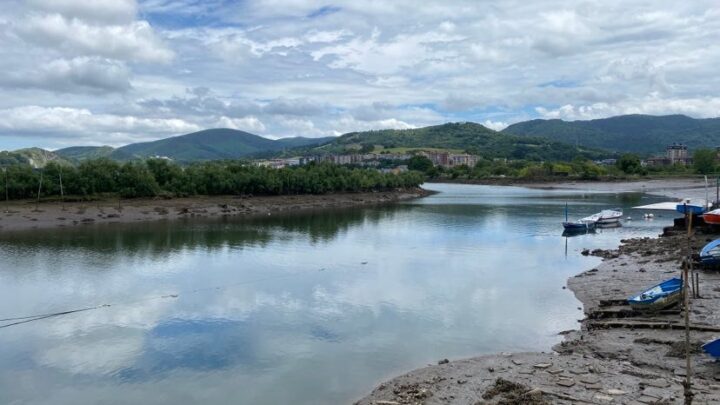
609,216
712,217
710,254
692,207
712,348
658,297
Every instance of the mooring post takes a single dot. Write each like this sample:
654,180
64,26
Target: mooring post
687,267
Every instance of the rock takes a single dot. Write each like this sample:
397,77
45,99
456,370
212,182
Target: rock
444,361
589,379
565,382
613,391
554,371
517,362
585,252
386,403
658,383
603,398
543,365
594,387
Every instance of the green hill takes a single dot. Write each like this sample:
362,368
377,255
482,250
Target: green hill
79,153
471,137
35,157
644,134
211,144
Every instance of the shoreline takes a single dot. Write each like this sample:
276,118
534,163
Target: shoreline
616,355
23,215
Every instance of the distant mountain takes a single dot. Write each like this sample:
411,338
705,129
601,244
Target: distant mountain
644,134
211,144
467,136
35,157
79,153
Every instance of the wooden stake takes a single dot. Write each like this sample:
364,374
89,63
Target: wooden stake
62,194
7,195
687,385
37,204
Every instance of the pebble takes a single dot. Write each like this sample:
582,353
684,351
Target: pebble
601,397
595,387
565,382
555,371
613,391
543,365
517,362
589,379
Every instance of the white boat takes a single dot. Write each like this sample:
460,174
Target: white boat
609,216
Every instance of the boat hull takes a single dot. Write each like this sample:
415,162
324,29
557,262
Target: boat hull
693,209
712,348
661,296
659,304
577,226
712,218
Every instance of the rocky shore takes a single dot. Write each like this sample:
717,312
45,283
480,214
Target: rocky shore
25,215
617,356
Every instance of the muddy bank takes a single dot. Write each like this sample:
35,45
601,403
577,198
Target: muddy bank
28,215
675,187
617,356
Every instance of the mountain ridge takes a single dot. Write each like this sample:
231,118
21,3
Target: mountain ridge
638,133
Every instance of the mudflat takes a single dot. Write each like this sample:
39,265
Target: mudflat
24,215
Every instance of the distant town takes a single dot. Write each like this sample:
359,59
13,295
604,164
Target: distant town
395,162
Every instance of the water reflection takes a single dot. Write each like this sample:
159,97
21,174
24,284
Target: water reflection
312,308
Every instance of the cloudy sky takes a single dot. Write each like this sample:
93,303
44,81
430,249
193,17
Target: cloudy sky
80,72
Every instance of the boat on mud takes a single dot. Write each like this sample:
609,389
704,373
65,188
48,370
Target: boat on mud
663,295
712,348
712,217
710,254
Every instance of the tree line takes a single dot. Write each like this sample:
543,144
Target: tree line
160,177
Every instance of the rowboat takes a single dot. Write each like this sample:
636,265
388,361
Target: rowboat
712,348
693,207
609,216
712,217
579,225
710,254
658,297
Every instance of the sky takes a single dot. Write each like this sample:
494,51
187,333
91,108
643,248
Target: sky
113,72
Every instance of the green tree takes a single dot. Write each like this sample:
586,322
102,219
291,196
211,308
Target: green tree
704,160
629,163
420,163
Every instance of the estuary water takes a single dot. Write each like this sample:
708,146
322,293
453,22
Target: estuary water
307,308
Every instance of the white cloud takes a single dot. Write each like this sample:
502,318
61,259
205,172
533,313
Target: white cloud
80,74
495,125
250,124
135,41
111,11
82,125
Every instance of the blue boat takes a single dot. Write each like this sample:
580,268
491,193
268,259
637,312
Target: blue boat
712,348
658,297
695,209
710,254
584,224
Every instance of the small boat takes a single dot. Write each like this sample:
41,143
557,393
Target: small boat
710,254
712,217
658,297
579,225
693,207
609,216
712,348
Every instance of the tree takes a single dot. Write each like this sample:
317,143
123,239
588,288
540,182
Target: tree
420,163
629,163
704,160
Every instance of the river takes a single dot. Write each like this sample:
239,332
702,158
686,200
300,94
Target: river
307,308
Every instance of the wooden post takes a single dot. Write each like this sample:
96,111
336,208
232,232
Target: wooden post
37,204
7,195
687,385
62,194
